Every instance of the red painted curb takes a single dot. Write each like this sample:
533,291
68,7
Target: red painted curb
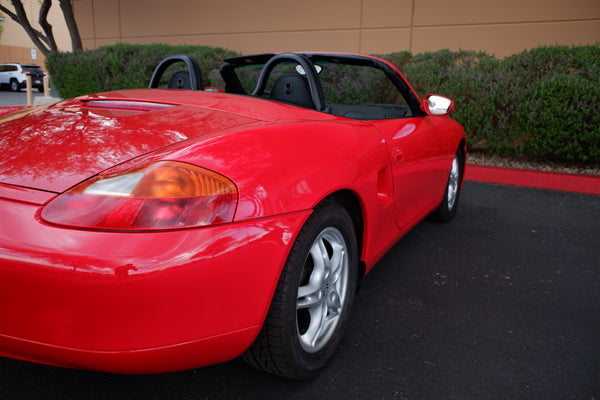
589,184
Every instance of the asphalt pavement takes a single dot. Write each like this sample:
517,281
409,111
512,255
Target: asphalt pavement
503,302
8,98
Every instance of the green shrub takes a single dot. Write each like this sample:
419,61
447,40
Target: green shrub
550,96
542,103
461,76
559,119
399,59
74,74
125,66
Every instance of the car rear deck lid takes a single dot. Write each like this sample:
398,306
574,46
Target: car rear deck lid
25,195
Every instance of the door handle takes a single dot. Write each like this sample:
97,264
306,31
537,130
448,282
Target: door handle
397,155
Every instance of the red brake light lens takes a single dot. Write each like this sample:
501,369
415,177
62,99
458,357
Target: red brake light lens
157,196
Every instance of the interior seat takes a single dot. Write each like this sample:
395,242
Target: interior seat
180,80
293,89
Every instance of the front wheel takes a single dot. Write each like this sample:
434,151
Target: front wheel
449,204
311,305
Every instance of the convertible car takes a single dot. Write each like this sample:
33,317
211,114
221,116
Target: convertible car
162,229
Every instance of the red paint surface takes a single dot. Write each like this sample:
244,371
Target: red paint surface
175,299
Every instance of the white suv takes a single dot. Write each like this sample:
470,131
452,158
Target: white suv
14,76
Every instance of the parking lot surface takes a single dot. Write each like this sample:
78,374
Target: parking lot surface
16,98
503,302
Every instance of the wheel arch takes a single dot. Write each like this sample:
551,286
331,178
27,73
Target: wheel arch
462,146
349,200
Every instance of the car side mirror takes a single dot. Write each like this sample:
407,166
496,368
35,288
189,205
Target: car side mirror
434,104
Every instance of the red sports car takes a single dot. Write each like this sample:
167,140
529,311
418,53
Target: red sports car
155,230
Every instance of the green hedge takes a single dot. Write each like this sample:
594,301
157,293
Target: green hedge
541,104
124,66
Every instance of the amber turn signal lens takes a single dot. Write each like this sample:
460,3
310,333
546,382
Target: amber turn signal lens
162,195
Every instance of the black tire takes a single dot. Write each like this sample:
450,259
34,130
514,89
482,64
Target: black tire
14,85
449,204
293,342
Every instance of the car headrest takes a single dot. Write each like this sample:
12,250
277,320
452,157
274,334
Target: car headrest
292,89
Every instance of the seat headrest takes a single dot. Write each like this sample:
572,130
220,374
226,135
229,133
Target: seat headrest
294,89
180,80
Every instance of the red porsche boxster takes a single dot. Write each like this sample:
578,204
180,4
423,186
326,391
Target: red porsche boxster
162,229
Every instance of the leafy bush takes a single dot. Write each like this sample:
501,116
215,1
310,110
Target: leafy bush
125,66
551,95
459,75
74,74
541,103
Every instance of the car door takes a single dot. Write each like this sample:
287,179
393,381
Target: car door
419,160
3,75
374,91
10,72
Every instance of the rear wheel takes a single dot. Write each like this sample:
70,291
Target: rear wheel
14,85
311,305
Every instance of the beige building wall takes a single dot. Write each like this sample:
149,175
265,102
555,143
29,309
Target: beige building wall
365,26
21,55
15,44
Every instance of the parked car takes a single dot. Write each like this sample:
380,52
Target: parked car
14,76
155,230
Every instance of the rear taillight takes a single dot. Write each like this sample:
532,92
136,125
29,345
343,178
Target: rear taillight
157,196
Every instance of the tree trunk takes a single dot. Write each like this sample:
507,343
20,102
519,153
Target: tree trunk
67,10
43,21
44,41
20,16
